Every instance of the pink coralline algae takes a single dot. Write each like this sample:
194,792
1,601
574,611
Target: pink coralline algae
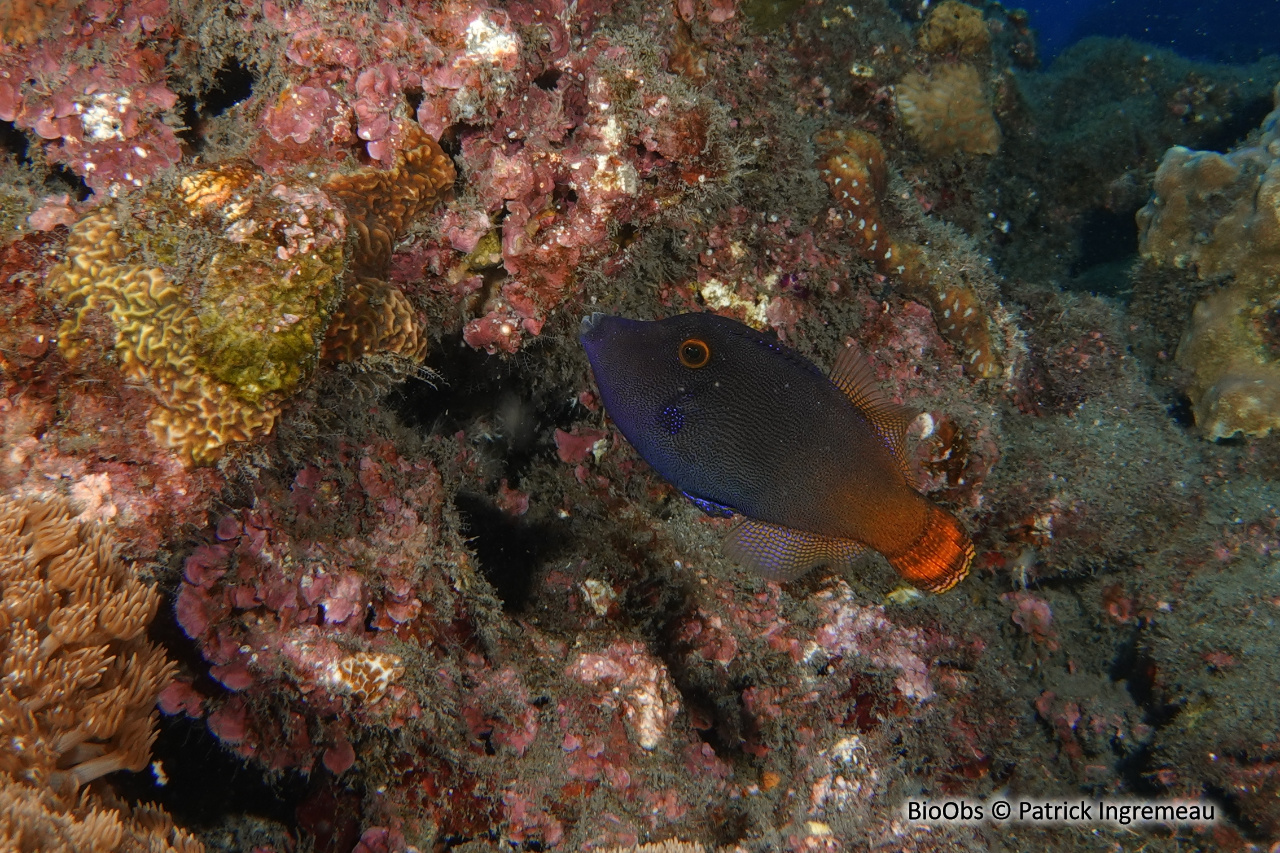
268,608
110,120
625,674
1031,613
852,629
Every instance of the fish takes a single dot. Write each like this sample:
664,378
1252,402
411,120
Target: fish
812,465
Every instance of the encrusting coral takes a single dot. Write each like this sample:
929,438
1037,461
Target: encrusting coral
376,318
223,284
78,685
382,203
948,111
854,169
1219,215
220,290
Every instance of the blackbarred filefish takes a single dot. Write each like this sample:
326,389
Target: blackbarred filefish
743,425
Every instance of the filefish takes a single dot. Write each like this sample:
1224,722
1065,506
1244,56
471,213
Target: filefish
745,426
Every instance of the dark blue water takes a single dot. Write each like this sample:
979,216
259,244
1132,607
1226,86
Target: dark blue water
1216,30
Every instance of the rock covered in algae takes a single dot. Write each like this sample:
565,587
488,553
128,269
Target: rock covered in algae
954,27
1218,216
220,286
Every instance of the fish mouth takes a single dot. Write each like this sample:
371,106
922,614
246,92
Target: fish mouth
589,324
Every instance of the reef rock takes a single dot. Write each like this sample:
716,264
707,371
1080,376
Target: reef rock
1218,215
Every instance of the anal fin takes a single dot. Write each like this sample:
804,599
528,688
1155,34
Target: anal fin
783,553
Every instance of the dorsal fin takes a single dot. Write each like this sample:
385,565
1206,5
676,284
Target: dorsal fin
852,374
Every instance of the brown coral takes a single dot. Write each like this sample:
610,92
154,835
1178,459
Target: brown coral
79,678
948,111
35,819
24,21
854,169
222,285
78,685
376,319
382,203
956,28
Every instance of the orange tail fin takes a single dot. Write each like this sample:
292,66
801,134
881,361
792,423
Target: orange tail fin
940,558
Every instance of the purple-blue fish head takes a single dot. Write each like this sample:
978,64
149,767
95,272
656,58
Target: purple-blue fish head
629,368
667,384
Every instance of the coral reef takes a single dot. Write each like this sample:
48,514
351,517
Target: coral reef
1216,214
948,111
79,685
428,598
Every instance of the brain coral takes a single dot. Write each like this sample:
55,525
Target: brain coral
382,204
1218,215
948,111
220,286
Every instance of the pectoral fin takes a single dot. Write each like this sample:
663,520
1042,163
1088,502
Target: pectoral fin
711,508
783,553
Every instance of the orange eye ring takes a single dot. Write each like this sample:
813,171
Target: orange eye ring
694,353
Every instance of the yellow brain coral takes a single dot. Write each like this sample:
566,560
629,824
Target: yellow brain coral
1218,215
222,284
948,111
375,319
382,204
220,290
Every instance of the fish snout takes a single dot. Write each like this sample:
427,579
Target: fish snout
589,322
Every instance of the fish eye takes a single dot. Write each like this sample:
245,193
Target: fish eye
695,353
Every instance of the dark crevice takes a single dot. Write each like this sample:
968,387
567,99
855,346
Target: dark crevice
205,782
13,141
1181,412
548,79
503,404
232,84
1236,127
415,98
63,180
1107,245
509,550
